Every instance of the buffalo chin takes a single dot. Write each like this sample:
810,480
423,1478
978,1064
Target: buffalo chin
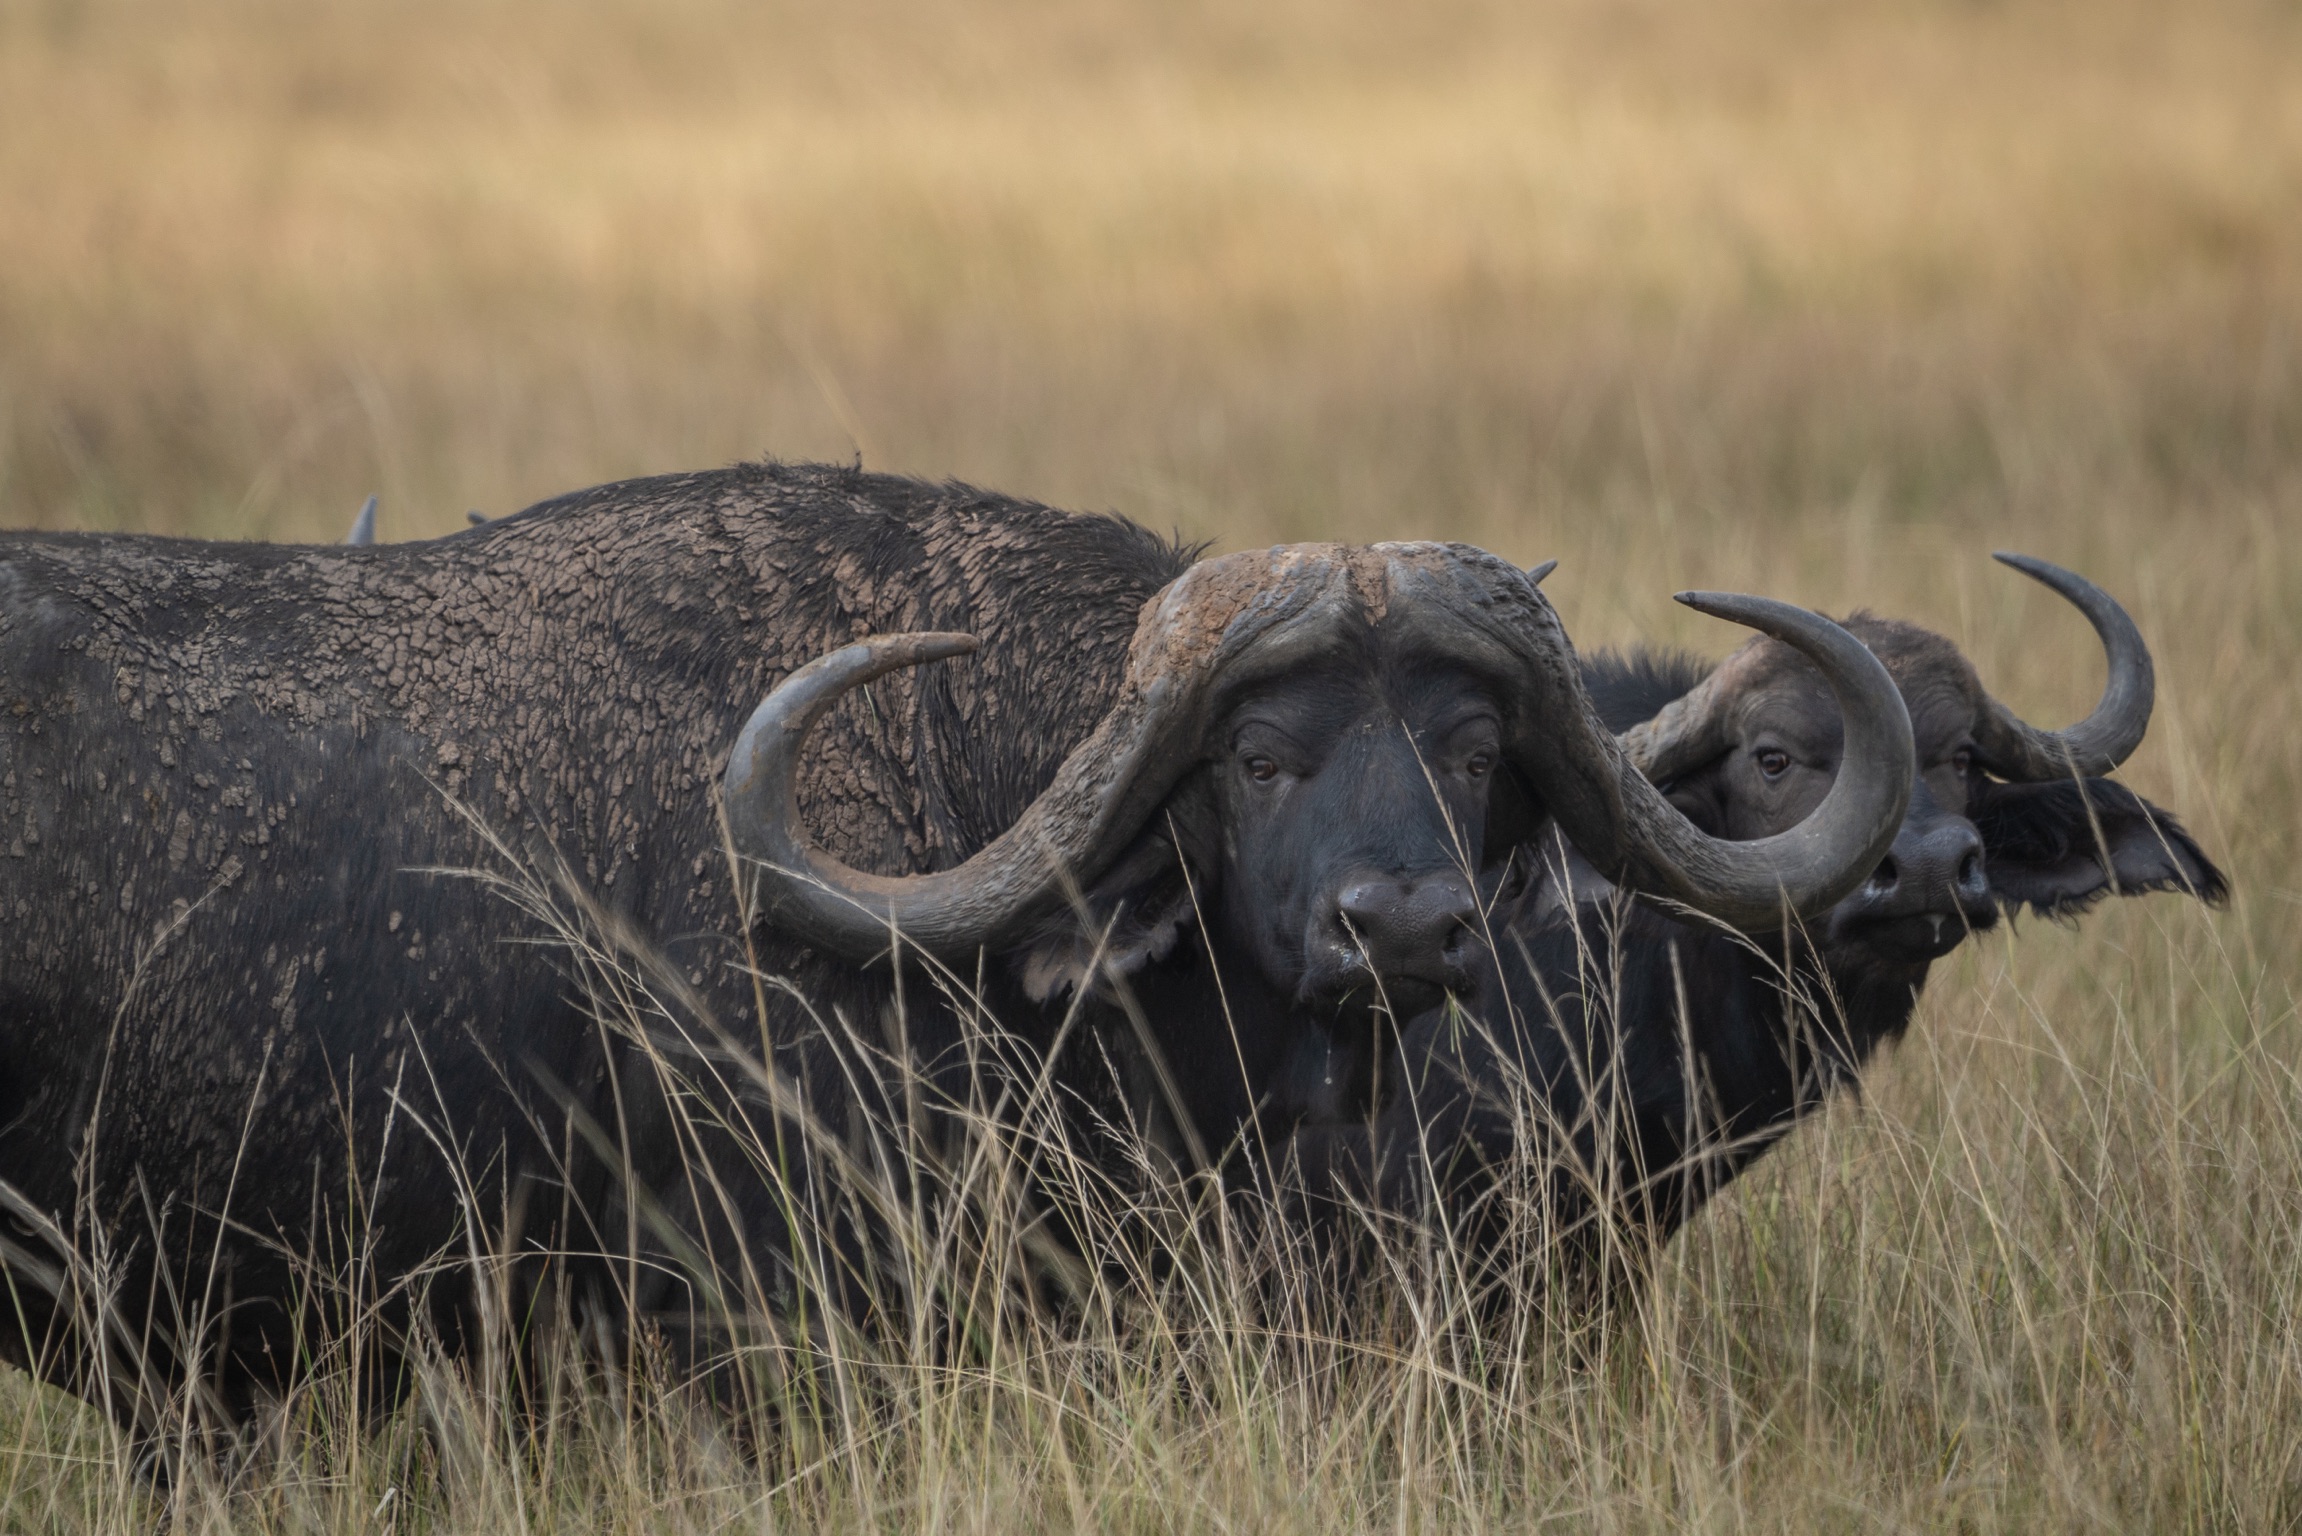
1917,938
1335,1072
1362,1002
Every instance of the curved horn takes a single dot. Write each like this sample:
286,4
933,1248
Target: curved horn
2020,751
1807,869
848,909
1479,607
364,526
1192,632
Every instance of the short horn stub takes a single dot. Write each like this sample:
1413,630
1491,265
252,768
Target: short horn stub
364,526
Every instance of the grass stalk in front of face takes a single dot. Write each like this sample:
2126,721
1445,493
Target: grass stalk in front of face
2045,1274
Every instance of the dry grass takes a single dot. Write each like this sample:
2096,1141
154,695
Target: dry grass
1821,300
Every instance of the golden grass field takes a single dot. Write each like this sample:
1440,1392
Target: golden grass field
1820,300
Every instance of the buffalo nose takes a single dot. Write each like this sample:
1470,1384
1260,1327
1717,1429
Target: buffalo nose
1410,928
1934,869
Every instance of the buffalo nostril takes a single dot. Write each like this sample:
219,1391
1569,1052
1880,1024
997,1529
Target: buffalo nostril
1970,870
1406,927
1883,879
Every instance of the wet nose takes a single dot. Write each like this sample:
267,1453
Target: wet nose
1413,928
1930,870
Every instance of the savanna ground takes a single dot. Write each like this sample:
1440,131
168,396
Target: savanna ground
1821,300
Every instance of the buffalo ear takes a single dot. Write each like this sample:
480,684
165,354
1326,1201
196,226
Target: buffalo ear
1133,916
2060,847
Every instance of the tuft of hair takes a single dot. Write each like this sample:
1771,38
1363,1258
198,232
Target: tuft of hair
1631,686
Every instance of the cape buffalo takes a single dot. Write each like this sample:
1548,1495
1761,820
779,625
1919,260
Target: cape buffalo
1580,1060
245,1019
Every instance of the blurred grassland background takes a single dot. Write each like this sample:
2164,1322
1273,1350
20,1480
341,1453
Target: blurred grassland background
1818,298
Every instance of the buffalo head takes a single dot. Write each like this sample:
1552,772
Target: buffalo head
1317,754
2002,814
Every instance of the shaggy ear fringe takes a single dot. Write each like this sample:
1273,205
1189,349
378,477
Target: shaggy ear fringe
2068,910
2041,827
1059,963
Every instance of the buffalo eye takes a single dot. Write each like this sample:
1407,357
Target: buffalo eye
1479,764
1962,761
1773,762
1261,769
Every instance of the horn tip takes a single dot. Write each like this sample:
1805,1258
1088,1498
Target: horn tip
1768,615
2032,566
1536,573
936,645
